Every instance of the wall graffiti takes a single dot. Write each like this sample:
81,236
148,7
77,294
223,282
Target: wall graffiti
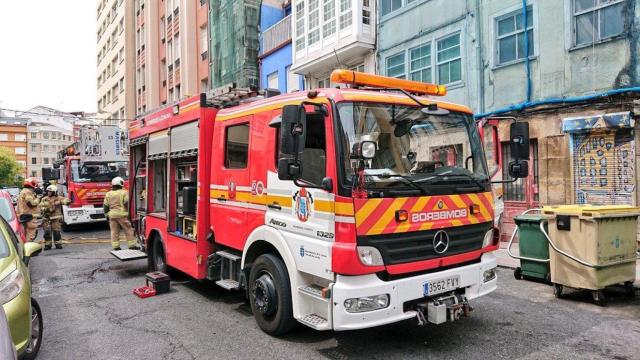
604,166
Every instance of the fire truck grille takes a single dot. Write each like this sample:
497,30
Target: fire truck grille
416,246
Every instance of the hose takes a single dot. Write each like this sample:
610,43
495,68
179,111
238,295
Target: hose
513,236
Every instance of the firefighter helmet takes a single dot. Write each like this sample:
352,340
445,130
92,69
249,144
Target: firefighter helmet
117,181
30,182
52,188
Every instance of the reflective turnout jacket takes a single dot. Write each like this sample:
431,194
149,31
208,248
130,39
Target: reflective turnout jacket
52,206
116,204
28,202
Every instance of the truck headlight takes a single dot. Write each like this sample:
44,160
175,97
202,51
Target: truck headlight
368,303
370,256
11,286
489,275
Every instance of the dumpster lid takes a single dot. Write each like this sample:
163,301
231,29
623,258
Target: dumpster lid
530,218
588,210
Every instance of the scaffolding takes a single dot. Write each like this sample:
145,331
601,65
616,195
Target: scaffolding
234,42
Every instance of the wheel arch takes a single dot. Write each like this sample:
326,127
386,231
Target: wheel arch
267,240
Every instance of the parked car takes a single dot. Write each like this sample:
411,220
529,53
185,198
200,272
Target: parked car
14,192
8,212
23,312
7,350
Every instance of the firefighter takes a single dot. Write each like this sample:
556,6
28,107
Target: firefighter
28,202
51,212
116,204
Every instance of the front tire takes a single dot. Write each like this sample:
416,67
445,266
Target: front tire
31,352
270,295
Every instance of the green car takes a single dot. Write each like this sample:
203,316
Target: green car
23,312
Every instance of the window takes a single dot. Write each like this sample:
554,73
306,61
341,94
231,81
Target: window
121,84
293,82
329,17
45,161
34,161
314,22
272,80
204,43
324,83
596,20
449,60
45,148
510,36
45,135
4,137
33,147
345,14
387,6
420,63
236,146
395,66
21,150
358,68
34,173
300,38
121,54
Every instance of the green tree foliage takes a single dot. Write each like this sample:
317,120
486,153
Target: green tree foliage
10,170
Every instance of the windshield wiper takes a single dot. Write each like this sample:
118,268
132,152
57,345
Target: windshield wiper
449,174
422,190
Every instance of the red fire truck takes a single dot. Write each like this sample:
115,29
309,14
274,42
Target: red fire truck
336,208
83,172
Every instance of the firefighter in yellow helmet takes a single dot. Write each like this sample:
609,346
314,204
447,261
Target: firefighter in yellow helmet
28,202
116,205
51,211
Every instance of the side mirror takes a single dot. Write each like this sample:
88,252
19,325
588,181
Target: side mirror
31,249
364,150
519,169
519,141
293,135
49,174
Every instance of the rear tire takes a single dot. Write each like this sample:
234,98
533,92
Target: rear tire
270,295
557,290
36,332
158,258
599,298
517,273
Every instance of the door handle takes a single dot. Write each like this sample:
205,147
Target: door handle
275,206
221,199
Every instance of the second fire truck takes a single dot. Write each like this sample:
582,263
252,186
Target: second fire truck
336,208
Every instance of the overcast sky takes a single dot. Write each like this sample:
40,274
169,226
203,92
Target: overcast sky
48,54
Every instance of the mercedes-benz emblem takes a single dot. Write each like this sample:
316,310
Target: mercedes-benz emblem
440,242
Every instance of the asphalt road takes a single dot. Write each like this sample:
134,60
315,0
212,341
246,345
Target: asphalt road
90,313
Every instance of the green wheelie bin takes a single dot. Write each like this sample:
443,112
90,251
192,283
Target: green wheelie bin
534,248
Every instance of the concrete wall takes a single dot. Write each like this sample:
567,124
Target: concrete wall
558,69
425,21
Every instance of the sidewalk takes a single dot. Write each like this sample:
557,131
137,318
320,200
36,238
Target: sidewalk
506,261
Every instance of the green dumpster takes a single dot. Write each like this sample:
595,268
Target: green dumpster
533,245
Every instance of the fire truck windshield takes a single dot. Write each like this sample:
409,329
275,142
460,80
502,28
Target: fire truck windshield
98,172
432,154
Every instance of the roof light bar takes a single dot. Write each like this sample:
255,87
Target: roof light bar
377,81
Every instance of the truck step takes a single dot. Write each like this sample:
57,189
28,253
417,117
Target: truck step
315,321
128,255
312,291
228,255
228,284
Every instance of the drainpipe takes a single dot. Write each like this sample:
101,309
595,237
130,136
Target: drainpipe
527,62
480,55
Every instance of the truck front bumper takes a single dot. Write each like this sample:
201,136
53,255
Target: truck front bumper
83,215
402,291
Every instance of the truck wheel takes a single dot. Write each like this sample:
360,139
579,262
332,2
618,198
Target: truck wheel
32,349
158,259
270,295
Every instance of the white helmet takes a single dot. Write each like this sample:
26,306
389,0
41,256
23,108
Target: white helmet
117,181
52,188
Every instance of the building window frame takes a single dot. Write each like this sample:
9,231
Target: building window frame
426,66
516,34
300,21
313,32
400,75
596,11
329,27
449,61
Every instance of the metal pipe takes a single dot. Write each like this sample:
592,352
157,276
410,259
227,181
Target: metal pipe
513,236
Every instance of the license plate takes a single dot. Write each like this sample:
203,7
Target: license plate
441,285
75,212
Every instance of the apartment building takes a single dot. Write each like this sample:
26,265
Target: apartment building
13,136
115,61
332,34
276,48
49,131
568,67
171,51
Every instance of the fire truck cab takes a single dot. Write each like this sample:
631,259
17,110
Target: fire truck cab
336,208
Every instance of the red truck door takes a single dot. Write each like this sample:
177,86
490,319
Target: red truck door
230,186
